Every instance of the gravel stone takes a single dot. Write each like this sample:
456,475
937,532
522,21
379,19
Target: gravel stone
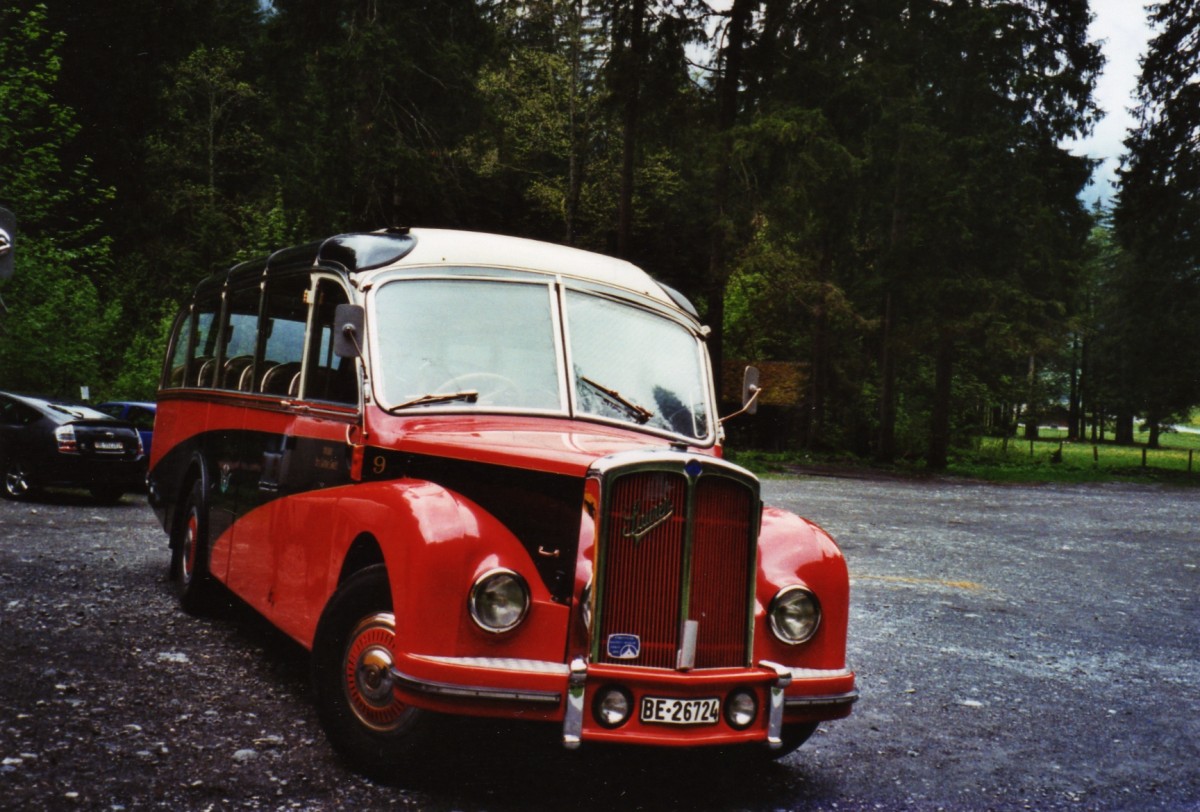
1017,647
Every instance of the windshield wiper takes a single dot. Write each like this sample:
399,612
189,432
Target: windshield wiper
470,396
78,415
639,413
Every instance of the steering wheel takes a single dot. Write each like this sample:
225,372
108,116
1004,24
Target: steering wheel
490,385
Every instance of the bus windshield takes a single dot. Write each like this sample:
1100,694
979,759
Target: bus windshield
632,365
491,344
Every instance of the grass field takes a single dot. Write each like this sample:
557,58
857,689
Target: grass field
1048,459
1052,458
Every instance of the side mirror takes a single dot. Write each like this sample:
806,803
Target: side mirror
750,390
348,323
8,231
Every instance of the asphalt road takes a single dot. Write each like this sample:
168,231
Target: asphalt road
1017,648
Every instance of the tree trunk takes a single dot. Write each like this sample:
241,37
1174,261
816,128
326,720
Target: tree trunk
818,387
574,130
1031,416
1155,425
939,433
885,452
720,232
1074,412
633,60
1123,428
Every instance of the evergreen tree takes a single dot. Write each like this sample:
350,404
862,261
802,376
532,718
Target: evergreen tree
372,101
1158,206
209,159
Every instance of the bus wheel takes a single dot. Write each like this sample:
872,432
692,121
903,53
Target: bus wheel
189,554
373,730
793,736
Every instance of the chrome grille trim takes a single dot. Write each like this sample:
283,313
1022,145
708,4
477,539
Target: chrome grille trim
676,533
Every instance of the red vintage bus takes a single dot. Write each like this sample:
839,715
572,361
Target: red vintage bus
482,475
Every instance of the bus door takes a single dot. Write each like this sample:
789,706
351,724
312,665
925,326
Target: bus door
268,409
300,452
311,464
230,470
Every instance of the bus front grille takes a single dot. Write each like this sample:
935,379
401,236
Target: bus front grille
676,544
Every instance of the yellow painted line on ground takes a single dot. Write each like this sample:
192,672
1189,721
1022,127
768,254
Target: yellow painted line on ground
969,586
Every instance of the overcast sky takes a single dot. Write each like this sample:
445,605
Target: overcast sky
1122,26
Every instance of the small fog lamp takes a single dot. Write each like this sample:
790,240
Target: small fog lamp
612,707
741,708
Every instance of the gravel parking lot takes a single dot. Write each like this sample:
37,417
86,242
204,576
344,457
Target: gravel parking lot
1018,647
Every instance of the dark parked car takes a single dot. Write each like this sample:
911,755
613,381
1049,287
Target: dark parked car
49,442
139,413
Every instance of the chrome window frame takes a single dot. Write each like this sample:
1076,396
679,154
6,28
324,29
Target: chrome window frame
378,378
557,284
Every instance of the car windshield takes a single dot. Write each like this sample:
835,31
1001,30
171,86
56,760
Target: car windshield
496,345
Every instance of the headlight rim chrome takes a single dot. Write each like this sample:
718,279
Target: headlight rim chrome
478,590
777,603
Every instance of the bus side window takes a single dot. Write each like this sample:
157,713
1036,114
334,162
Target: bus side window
282,335
195,344
181,341
240,338
328,377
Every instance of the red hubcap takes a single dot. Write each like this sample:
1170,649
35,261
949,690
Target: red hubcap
367,674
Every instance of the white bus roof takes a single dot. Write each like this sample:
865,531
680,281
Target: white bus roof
472,248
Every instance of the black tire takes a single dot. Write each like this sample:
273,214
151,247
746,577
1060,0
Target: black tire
373,731
793,736
758,756
189,554
17,483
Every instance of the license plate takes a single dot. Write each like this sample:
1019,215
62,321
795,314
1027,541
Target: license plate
109,445
659,710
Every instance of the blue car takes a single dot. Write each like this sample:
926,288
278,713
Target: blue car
139,413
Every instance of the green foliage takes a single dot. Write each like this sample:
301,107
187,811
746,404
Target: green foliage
531,145
33,127
207,156
874,191
141,365
56,336
49,195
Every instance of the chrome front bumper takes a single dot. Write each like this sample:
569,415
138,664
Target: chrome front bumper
777,679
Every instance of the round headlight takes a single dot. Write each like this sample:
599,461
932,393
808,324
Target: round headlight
499,600
740,709
794,615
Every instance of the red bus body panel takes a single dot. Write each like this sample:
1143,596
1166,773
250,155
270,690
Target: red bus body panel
648,562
